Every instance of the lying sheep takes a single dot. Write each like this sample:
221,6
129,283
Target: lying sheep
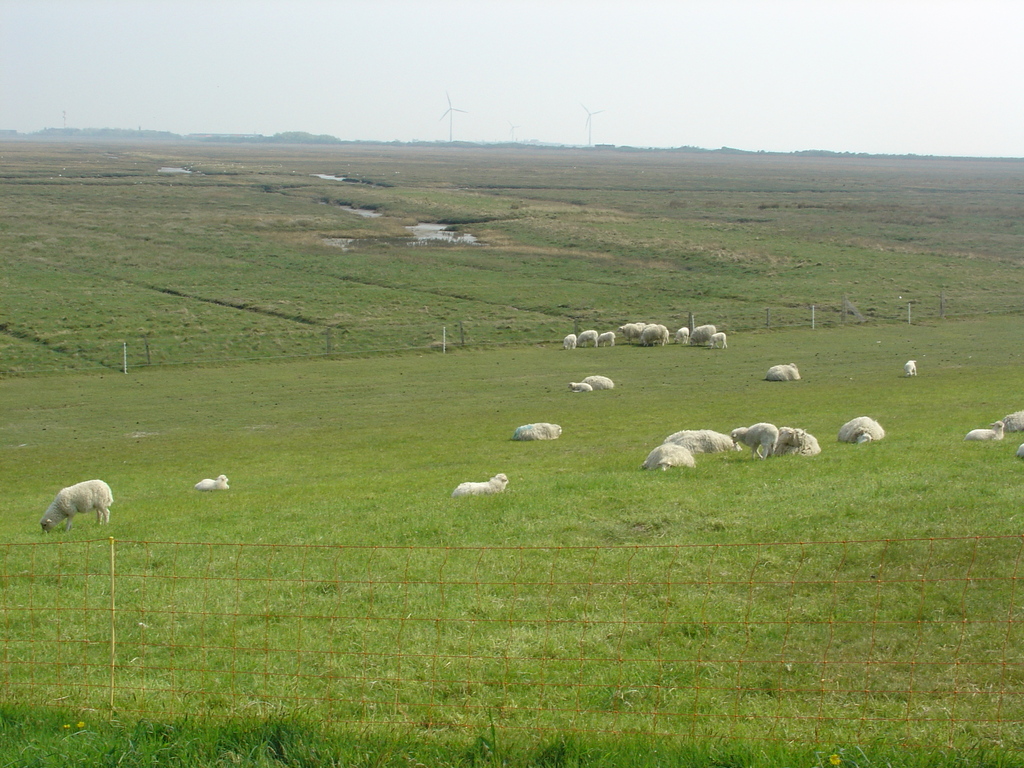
760,438
654,335
81,497
786,372
220,484
863,429
1014,422
495,485
599,382
542,430
717,340
910,368
995,433
683,335
587,337
669,455
703,441
1020,451
607,338
702,334
580,386
796,442
569,342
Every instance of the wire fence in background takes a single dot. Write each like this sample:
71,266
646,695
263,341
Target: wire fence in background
914,641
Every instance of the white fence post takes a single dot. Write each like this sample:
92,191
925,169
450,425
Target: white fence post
125,357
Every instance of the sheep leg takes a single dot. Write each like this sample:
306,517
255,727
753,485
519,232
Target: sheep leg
67,525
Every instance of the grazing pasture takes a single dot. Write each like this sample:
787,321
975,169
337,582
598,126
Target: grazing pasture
862,596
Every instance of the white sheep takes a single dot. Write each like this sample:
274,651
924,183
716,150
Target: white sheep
599,382
995,433
910,368
717,340
785,372
1014,422
220,484
569,342
654,334
1020,451
607,338
580,386
495,485
760,438
587,337
541,430
81,497
703,441
863,429
683,335
631,331
796,442
668,455
702,334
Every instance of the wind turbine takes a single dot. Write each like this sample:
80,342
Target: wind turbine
513,127
590,124
450,114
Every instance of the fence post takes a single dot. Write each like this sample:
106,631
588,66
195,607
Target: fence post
145,340
842,313
125,356
462,335
908,313
576,326
768,317
690,321
113,627
444,339
812,317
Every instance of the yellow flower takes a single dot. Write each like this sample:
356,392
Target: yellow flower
835,759
81,724
66,725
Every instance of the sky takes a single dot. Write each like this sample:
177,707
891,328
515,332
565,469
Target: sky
928,77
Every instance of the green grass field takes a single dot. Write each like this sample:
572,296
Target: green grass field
338,581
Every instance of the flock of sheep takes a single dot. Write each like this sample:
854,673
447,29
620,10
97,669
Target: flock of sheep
648,335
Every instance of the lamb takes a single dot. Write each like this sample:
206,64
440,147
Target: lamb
495,485
703,441
796,442
786,372
683,335
599,382
717,340
569,342
220,484
910,368
631,331
580,386
668,455
760,438
863,429
587,337
995,433
607,338
81,497
654,334
702,334
1014,422
1020,451
542,430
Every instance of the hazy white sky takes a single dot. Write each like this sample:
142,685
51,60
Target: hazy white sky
883,76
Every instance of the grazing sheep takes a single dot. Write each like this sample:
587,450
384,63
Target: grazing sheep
703,441
654,334
717,340
580,386
794,441
702,334
542,430
668,455
1014,422
760,438
569,342
910,368
1020,451
787,372
631,331
995,433
220,484
587,337
81,497
863,429
607,338
495,485
683,335
599,382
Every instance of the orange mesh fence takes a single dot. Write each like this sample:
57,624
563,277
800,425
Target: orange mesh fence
913,641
